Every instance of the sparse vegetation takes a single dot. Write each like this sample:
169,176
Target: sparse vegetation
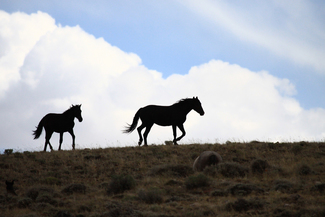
254,179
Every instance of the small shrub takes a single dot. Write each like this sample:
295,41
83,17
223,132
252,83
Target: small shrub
197,181
8,151
120,183
18,155
219,193
241,205
319,187
151,196
244,189
171,170
51,181
283,186
74,188
296,149
304,170
259,166
46,199
24,203
35,191
63,213
232,170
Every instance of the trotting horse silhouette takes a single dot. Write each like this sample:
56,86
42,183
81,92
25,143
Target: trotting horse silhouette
58,123
174,115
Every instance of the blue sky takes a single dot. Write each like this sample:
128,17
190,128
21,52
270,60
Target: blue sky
284,39
171,38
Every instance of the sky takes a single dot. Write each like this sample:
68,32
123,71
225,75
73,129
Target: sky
256,66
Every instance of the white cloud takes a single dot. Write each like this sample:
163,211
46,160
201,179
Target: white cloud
19,32
290,30
66,65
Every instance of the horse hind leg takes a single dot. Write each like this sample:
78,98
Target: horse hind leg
145,134
47,140
174,134
181,127
139,129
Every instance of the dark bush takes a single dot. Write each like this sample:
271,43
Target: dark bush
74,188
24,202
259,166
8,151
151,196
232,170
283,186
244,189
171,170
120,183
197,181
304,170
219,193
296,149
34,192
241,205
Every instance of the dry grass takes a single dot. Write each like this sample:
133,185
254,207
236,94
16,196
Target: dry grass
260,179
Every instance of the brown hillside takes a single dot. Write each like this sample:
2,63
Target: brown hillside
259,179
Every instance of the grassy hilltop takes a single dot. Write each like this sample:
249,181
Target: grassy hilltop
254,179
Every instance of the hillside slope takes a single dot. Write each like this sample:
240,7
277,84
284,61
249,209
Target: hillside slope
262,179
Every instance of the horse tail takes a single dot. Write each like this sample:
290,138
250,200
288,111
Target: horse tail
130,128
38,130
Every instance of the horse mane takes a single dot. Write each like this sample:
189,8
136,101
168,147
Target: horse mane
181,101
69,109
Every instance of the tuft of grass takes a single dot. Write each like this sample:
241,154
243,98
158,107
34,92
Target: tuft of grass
150,196
171,170
8,151
303,170
197,181
232,170
74,188
259,166
243,205
121,183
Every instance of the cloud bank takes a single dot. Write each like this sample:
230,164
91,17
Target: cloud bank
45,67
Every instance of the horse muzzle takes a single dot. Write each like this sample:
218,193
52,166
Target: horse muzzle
80,119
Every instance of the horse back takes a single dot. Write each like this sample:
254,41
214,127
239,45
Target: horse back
161,115
57,122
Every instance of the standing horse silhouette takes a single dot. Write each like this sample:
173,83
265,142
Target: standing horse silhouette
174,115
58,123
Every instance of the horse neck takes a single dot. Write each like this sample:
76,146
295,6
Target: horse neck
185,107
69,114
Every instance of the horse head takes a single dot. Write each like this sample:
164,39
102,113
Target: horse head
77,112
197,106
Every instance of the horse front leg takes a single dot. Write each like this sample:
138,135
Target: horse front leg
61,140
181,127
174,134
73,139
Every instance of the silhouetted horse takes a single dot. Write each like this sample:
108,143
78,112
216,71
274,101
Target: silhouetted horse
174,115
58,123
